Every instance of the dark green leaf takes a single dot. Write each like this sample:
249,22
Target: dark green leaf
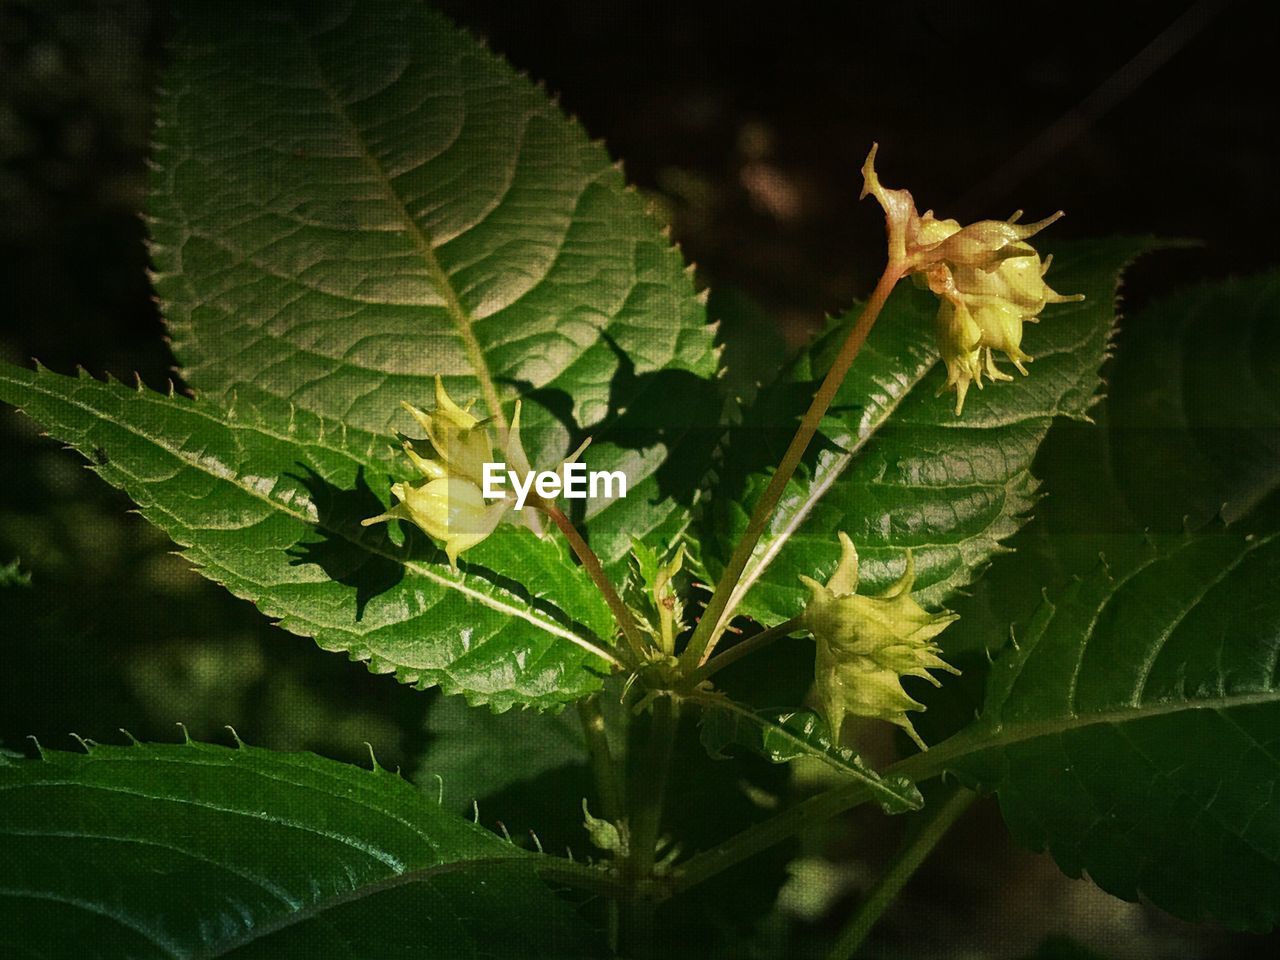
1133,731
196,850
1193,408
268,502
477,753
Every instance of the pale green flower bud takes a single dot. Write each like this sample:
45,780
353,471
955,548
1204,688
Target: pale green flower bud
991,281
866,644
460,443
448,502
449,509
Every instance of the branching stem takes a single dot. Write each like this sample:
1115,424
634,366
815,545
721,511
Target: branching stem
719,610
750,645
626,622
943,817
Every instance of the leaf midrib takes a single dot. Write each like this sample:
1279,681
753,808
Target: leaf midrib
235,479
438,276
874,783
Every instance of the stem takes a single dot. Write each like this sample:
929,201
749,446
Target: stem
580,876
717,613
608,786
647,798
740,650
626,622
762,836
900,871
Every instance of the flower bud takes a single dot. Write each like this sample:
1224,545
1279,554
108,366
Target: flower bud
990,279
448,502
866,644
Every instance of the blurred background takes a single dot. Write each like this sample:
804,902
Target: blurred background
749,132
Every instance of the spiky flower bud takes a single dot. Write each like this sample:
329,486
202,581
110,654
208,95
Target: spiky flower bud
989,279
866,644
448,502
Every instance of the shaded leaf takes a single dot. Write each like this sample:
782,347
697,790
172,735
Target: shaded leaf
197,850
1133,731
781,737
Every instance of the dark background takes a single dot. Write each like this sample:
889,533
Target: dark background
749,129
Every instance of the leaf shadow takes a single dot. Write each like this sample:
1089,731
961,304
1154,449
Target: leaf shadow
673,408
370,562
363,558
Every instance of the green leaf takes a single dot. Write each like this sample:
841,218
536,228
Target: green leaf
898,469
198,850
1189,431
782,737
1133,732
349,199
1193,406
477,753
268,502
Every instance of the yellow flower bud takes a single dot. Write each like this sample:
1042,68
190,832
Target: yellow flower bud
866,644
990,279
460,442
452,510
448,502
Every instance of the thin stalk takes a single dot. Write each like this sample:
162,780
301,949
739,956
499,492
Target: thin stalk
603,768
900,871
747,646
609,786
648,796
795,819
626,622
763,835
716,616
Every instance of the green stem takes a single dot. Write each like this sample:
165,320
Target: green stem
648,796
763,835
591,563
718,612
580,876
604,770
609,786
747,646
904,866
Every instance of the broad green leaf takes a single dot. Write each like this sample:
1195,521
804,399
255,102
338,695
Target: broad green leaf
203,851
1189,431
1133,732
894,467
268,502
1193,405
782,737
350,198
